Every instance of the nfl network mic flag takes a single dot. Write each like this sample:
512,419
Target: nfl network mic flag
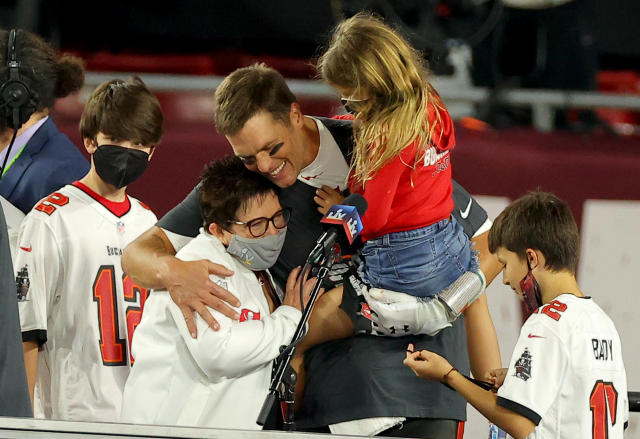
347,216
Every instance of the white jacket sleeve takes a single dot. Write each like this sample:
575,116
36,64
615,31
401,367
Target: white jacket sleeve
237,347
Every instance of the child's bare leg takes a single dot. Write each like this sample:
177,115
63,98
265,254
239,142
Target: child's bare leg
327,322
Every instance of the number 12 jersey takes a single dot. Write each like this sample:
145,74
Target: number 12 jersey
566,374
77,303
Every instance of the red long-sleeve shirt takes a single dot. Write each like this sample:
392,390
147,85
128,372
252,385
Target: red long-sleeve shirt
394,204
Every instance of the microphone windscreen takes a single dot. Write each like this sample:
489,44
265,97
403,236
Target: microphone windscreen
357,201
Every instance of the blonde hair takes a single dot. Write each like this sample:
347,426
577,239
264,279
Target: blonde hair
375,61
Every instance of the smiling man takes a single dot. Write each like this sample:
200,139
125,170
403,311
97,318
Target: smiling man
566,378
301,154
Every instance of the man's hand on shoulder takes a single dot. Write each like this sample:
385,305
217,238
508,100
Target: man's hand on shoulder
192,290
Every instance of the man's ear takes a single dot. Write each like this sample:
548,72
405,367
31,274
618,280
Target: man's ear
295,114
90,145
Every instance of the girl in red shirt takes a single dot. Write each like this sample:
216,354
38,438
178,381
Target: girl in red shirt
401,163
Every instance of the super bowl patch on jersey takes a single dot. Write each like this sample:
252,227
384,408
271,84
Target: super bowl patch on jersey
22,284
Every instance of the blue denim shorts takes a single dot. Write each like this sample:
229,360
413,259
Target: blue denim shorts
421,262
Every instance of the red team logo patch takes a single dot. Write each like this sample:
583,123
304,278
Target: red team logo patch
365,310
247,314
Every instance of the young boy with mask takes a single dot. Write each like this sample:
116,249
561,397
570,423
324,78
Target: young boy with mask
78,309
566,378
221,378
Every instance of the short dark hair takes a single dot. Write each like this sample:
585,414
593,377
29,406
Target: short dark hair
123,110
248,91
48,74
227,187
540,221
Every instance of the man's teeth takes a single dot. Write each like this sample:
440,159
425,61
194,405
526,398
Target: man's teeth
277,170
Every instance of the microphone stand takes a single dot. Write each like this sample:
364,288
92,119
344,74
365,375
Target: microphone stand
284,379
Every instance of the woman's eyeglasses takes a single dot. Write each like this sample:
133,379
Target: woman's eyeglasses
258,226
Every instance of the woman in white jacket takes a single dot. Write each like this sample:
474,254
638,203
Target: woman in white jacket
220,378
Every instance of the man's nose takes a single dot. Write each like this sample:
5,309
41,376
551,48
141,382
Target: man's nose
263,161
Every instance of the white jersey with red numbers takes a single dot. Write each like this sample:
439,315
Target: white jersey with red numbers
76,302
566,373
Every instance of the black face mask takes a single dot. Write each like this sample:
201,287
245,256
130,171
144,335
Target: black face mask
119,166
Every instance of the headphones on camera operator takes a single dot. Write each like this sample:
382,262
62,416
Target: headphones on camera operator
17,101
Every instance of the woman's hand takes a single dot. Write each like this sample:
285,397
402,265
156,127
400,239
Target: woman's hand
292,294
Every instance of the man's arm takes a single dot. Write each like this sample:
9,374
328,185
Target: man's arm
239,348
482,340
150,261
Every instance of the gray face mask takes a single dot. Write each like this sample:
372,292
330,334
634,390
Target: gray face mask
257,254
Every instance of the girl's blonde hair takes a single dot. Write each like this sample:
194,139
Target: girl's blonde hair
376,62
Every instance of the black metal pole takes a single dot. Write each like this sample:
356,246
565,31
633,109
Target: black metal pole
284,378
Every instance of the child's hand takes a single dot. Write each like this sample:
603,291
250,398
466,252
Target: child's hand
426,364
496,376
327,197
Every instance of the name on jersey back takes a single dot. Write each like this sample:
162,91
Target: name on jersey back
114,251
602,349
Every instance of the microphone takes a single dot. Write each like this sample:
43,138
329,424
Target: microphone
344,216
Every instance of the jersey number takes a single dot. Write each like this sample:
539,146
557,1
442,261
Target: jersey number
603,400
48,205
554,309
112,347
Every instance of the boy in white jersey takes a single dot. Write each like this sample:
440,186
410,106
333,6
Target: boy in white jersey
566,378
77,307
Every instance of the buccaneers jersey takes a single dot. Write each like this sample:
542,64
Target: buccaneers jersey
566,373
76,302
